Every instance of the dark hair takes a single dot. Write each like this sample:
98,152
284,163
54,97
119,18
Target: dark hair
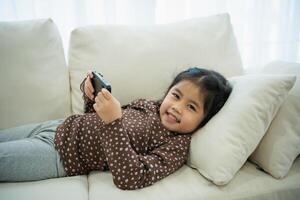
214,85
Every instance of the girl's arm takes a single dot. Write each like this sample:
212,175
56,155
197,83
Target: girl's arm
131,170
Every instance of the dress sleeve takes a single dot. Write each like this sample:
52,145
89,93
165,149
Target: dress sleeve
143,104
131,170
88,104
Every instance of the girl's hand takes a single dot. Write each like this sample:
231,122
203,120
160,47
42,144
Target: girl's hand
88,87
107,106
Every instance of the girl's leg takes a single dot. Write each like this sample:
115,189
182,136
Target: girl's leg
31,158
25,131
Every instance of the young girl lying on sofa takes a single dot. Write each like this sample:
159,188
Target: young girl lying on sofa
140,143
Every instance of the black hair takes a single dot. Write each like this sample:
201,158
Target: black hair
215,87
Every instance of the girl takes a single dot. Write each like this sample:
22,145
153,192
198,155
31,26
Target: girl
140,143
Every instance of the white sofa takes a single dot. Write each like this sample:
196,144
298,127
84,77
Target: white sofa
37,85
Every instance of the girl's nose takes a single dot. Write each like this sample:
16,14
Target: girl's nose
176,108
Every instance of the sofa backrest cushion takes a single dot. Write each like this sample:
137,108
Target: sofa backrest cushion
222,146
33,73
281,144
141,61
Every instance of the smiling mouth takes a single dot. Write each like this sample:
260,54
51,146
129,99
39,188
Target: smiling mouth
173,117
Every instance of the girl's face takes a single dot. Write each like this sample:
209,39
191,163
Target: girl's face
182,110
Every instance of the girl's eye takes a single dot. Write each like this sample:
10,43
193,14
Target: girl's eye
192,107
175,95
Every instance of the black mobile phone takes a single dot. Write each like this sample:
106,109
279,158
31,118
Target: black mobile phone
99,82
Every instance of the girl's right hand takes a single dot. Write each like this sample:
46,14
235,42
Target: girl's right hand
88,87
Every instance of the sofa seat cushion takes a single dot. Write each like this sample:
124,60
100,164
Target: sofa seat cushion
75,188
249,183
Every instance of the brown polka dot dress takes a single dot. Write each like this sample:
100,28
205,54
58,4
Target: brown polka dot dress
137,148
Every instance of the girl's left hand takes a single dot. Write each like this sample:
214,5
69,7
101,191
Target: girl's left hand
107,106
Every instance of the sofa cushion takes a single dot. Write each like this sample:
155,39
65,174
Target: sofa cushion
187,184
140,61
75,188
33,74
281,144
222,146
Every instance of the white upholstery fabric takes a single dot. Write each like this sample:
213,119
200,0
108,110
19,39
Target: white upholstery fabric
186,183
222,146
141,61
33,74
75,188
33,50
281,144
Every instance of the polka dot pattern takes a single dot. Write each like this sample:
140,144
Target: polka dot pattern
136,148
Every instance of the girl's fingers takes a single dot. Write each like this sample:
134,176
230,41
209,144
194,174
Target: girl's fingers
90,74
90,85
97,99
95,107
90,95
89,90
101,97
106,94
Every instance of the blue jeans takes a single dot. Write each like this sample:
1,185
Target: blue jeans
27,153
